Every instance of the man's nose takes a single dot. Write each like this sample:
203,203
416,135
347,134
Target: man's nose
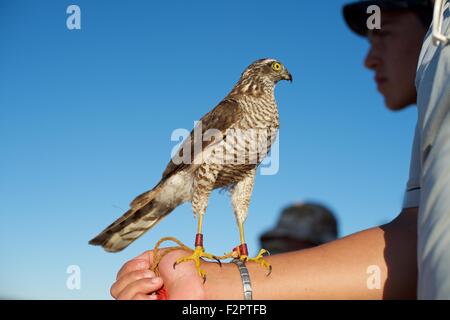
372,59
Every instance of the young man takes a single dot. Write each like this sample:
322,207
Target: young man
339,269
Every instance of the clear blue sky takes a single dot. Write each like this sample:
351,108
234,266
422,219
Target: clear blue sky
86,118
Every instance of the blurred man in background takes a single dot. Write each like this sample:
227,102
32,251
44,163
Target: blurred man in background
300,226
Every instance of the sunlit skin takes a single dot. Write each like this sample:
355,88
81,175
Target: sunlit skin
393,56
336,270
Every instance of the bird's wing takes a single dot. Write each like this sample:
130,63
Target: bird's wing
221,118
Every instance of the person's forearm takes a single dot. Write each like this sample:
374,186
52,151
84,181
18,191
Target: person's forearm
337,270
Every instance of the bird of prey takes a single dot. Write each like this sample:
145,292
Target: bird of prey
219,153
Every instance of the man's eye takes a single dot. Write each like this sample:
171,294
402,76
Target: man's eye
384,33
378,35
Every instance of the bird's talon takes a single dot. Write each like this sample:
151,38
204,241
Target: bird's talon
218,261
198,255
259,259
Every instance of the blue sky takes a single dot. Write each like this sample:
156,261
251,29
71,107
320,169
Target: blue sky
86,118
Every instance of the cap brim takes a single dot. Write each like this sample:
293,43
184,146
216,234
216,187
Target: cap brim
355,14
284,233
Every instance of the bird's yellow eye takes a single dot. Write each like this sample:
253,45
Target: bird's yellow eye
276,66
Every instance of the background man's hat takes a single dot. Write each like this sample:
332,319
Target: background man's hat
355,14
306,222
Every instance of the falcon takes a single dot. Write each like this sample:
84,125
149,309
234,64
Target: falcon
222,152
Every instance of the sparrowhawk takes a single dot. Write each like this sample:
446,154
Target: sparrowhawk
223,151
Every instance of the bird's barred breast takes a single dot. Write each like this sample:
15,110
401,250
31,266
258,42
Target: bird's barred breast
261,112
231,174
246,143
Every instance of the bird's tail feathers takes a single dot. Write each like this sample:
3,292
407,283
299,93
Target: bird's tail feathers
145,213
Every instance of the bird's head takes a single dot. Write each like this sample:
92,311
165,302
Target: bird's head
269,70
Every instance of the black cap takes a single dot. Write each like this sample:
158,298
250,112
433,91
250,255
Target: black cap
355,14
304,221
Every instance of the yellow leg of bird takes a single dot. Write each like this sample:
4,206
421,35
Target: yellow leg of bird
241,232
241,252
199,252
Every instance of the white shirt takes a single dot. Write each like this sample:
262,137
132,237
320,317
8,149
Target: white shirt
430,167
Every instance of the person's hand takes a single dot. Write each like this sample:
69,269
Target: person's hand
136,281
183,281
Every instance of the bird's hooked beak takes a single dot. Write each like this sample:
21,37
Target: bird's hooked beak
287,76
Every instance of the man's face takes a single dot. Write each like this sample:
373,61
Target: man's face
393,55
